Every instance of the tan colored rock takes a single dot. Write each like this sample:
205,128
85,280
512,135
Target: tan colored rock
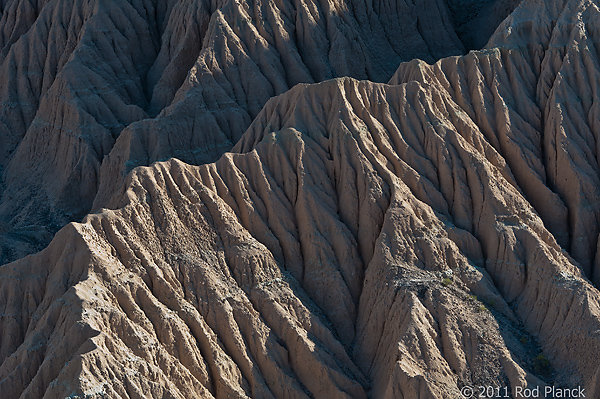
361,240
422,137
320,250
92,89
533,94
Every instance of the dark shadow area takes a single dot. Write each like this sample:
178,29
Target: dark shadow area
475,21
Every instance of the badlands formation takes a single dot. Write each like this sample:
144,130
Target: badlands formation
298,199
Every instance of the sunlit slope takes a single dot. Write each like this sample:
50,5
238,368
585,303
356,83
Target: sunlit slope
366,233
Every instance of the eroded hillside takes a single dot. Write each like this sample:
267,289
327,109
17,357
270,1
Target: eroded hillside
533,93
360,240
90,89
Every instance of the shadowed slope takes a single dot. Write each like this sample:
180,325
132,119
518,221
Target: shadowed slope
71,83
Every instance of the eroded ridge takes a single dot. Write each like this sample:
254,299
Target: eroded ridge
368,233
534,94
400,240
92,89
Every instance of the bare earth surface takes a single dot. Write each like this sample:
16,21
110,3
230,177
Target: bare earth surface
81,82
305,234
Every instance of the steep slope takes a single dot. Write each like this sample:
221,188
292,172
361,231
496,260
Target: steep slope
347,240
253,51
398,241
70,84
92,89
534,95
533,274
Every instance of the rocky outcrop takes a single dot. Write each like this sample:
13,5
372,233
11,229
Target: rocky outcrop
522,257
